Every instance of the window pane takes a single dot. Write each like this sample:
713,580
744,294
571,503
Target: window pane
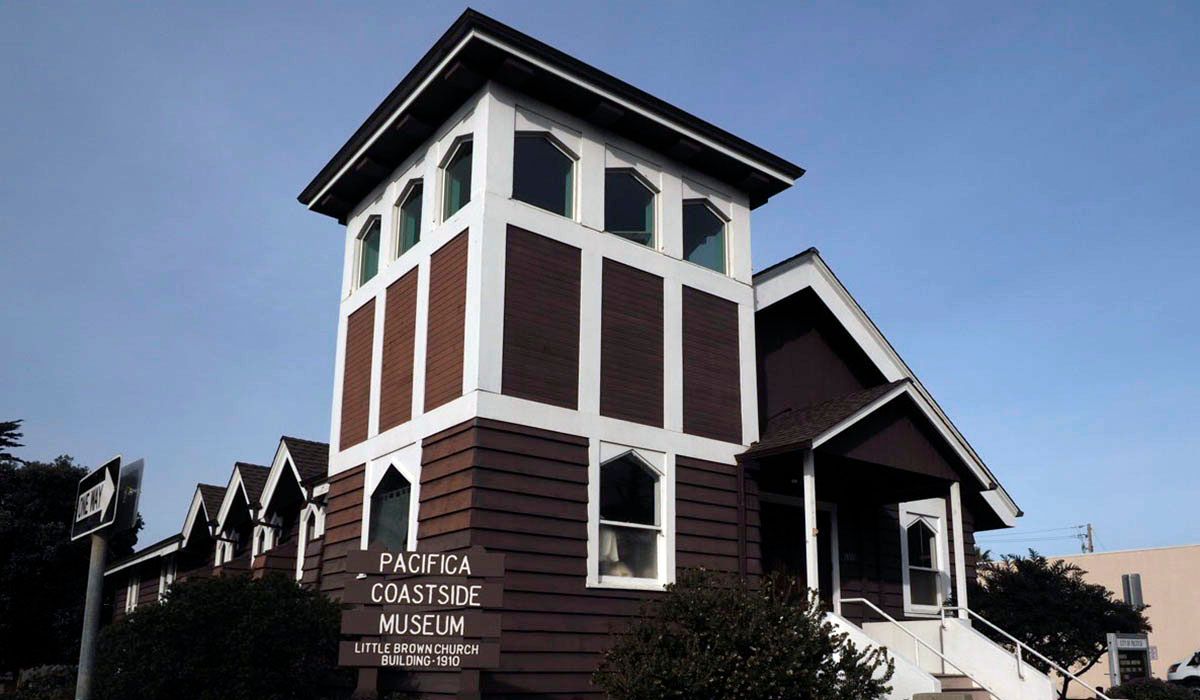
542,174
370,254
626,551
410,218
389,512
921,545
923,586
458,180
627,492
703,236
628,207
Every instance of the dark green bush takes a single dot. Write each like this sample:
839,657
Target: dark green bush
224,639
1151,689
46,683
710,637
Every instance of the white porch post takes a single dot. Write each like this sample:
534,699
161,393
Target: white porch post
810,521
960,553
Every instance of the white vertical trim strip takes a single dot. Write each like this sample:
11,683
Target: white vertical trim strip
811,553
960,549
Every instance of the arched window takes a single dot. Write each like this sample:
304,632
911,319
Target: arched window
456,179
408,217
543,173
703,235
389,512
630,524
368,251
628,206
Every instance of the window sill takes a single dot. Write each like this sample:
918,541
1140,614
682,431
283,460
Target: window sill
628,584
931,612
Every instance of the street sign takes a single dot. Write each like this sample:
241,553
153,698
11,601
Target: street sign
129,493
420,654
95,502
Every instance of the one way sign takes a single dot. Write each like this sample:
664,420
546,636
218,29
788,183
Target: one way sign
95,504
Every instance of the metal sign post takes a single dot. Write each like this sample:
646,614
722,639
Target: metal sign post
105,503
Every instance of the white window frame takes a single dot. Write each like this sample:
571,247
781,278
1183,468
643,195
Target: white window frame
359,239
664,465
166,576
132,590
712,206
554,140
405,192
932,512
312,525
407,461
640,176
456,143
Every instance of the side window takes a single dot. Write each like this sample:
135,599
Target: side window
629,205
543,173
923,556
408,217
456,179
390,505
703,235
368,251
630,518
923,573
131,593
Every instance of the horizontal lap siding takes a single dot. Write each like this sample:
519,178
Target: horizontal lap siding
711,372
356,376
869,544
445,341
311,574
541,319
631,345
399,336
343,528
706,515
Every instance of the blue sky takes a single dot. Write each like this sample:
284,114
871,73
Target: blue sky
1011,191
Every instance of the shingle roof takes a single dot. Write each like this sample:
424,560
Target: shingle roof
311,458
798,428
254,477
212,497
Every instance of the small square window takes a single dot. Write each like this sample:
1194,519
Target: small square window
543,173
457,180
368,252
628,206
703,235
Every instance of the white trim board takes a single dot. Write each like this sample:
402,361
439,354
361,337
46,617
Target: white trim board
154,553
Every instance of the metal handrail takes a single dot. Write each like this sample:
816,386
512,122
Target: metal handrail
1022,645
919,641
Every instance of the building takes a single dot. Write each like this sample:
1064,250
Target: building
551,344
1166,578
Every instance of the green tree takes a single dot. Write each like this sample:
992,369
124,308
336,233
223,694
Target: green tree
42,573
1050,607
710,637
224,638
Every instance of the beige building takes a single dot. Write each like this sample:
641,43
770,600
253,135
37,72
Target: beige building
1169,577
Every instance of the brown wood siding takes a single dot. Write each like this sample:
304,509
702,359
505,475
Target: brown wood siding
631,345
869,547
399,336
897,435
343,528
445,341
805,356
706,516
712,393
356,376
311,574
541,319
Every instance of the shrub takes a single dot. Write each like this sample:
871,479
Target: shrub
710,637
1151,689
223,639
46,683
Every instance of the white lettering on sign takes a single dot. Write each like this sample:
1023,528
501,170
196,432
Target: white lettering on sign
431,563
90,502
451,594
425,625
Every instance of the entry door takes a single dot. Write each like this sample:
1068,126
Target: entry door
782,534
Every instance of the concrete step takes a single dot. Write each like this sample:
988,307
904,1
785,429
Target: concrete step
957,687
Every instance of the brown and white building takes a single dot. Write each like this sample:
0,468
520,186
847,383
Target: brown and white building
552,344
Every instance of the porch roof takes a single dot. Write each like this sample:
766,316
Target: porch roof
802,429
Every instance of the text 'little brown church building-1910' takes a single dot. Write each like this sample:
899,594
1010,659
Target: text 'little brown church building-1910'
551,344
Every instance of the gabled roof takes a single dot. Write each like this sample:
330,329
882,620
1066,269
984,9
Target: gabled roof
161,548
212,497
310,458
254,477
476,49
206,503
808,270
802,428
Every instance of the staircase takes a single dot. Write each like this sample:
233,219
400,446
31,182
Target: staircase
956,688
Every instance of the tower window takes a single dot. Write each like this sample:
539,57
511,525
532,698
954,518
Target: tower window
409,217
703,235
368,252
389,512
628,206
457,179
543,173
